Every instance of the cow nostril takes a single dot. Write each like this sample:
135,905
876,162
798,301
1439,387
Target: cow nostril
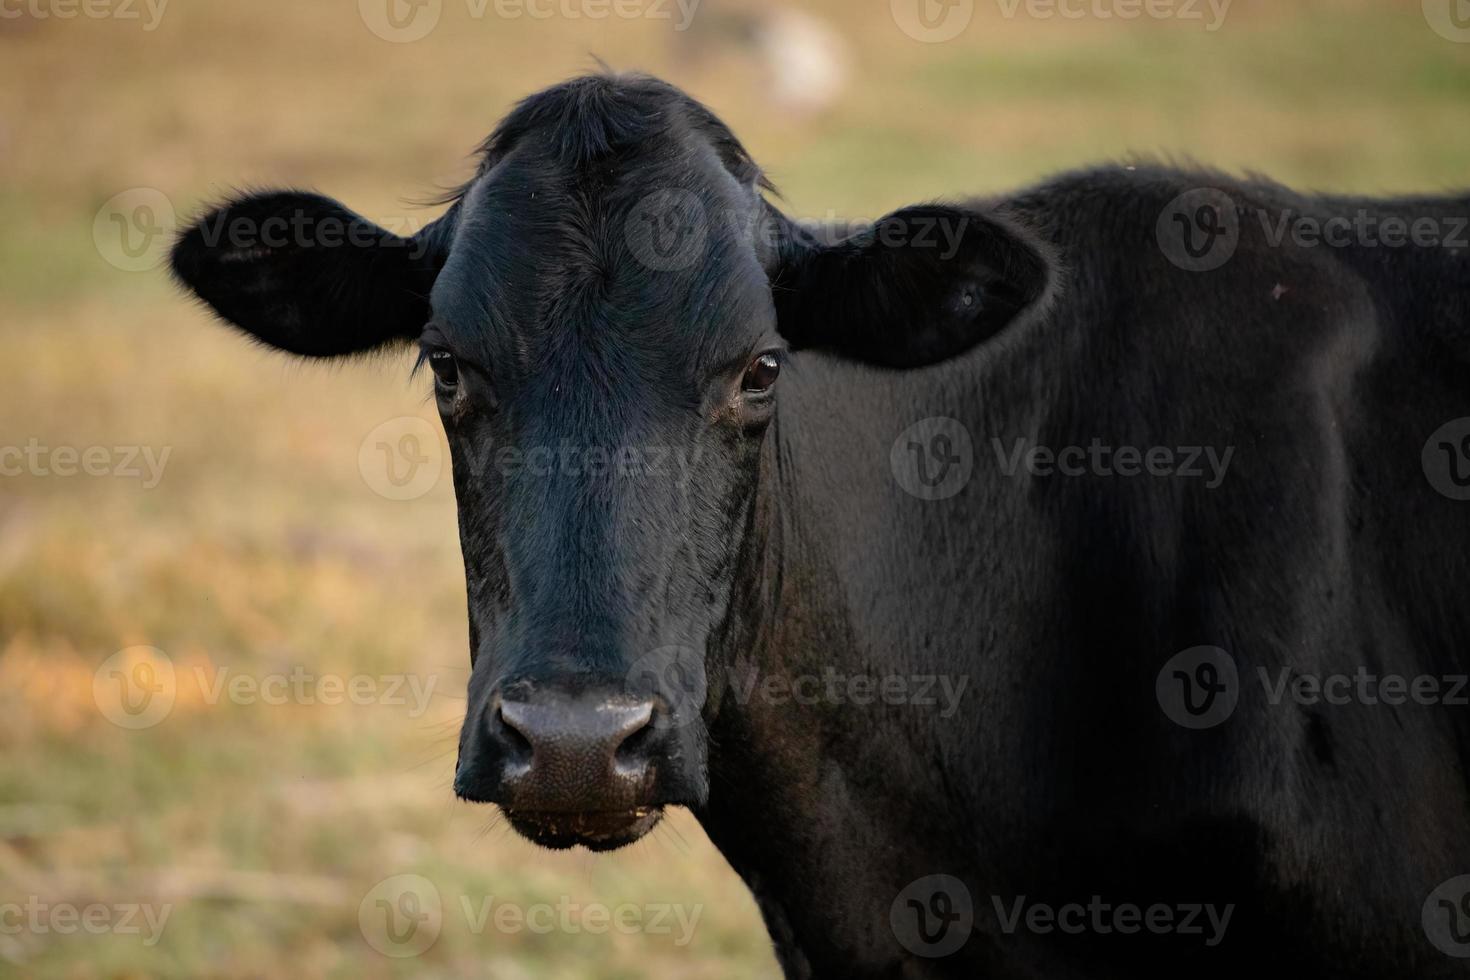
518,743
634,750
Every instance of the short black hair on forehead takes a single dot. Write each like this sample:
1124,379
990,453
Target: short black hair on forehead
604,115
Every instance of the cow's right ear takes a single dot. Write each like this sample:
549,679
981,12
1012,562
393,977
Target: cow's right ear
301,273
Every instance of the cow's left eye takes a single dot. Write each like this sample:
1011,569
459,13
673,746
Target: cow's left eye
761,374
446,370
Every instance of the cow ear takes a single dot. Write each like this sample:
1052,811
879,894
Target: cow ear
302,273
921,285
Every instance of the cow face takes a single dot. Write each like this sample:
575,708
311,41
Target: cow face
605,312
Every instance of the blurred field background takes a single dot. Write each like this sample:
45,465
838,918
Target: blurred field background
264,548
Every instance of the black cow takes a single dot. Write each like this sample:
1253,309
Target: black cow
1044,619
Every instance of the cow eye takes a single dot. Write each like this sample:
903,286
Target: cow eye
761,374
446,371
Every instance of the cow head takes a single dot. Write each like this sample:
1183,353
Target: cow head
605,311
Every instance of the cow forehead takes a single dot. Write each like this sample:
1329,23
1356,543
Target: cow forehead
549,267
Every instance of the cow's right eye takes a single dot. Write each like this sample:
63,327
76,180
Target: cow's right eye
446,370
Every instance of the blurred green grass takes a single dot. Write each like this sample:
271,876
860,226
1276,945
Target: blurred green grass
263,549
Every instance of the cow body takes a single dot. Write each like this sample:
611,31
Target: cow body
1324,550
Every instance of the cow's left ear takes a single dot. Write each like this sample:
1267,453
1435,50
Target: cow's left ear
919,286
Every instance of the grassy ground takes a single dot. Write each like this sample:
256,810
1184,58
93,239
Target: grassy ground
263,552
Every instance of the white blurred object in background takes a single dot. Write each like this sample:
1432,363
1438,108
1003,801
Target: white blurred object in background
803,60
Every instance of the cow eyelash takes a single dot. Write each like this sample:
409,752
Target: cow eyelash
443,364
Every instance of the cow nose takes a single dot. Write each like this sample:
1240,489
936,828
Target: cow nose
576,755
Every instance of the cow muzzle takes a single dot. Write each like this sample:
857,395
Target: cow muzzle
594,769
